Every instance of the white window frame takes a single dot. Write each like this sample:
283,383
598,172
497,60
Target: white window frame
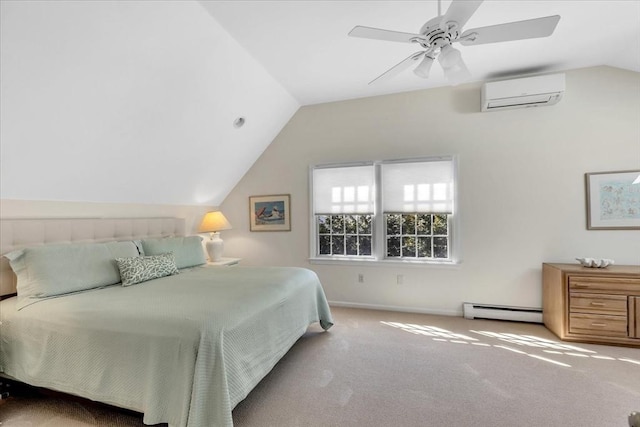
378,240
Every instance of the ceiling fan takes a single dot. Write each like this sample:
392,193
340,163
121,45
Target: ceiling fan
438,34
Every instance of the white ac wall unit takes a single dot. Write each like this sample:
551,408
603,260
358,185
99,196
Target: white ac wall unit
521,93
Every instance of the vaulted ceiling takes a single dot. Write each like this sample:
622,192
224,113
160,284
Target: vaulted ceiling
137,101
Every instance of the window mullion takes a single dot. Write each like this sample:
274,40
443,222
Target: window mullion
379,236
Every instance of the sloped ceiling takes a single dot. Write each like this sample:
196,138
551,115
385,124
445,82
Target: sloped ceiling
129,102
134,101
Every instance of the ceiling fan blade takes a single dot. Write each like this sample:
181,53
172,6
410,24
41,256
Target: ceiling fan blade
387,35
460,11
398,68
529,29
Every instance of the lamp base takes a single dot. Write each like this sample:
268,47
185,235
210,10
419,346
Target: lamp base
215,246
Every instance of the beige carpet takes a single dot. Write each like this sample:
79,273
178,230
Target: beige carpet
378,368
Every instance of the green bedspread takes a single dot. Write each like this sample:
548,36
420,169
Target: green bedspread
182,349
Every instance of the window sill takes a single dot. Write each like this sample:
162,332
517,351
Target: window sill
372,262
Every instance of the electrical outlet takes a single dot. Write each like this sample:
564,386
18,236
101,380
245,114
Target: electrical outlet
360,278
400,279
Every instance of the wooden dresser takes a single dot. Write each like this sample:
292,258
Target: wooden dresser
595,305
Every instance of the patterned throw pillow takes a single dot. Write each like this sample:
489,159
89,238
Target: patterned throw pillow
142,268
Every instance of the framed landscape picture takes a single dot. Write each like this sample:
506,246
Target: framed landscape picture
613,200
270,213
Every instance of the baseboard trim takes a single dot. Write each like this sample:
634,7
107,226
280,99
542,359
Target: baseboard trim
401,309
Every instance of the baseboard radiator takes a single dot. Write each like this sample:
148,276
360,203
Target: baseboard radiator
502,312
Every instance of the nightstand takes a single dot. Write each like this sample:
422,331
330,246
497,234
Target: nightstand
225,262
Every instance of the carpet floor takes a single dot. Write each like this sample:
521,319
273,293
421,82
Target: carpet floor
377,368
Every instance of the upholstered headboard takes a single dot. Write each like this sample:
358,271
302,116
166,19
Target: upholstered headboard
21,233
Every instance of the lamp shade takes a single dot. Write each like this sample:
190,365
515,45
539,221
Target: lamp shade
214,221
458,73
449,56
423,69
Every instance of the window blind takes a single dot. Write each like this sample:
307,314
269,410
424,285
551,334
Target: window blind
418,187
343,190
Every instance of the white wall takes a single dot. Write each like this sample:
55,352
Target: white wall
128,102
521,186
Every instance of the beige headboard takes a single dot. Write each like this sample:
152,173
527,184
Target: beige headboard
21,233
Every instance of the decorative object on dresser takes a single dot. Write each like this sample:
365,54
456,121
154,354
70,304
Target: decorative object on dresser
213,223
595,262
270,213
594,305
612,200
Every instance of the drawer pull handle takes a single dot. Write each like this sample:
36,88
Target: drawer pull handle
599,324
598,304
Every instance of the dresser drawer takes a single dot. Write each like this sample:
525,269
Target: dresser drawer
594,324
613,285
598,304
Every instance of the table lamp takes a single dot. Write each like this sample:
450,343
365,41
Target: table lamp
212,223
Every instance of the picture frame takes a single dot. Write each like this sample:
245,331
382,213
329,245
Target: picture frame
613,200
270,213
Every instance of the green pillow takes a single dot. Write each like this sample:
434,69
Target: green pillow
50,270
187,250
142,268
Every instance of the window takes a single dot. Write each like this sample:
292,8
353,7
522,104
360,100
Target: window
390,210
343,210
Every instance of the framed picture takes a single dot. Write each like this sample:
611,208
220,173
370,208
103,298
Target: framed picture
613,200
270,213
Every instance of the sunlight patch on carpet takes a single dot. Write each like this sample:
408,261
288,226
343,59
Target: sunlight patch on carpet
524,342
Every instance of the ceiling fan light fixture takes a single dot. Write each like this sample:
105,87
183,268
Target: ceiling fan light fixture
449,56
423,69
457,74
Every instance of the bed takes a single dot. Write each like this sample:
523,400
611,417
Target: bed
182,348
